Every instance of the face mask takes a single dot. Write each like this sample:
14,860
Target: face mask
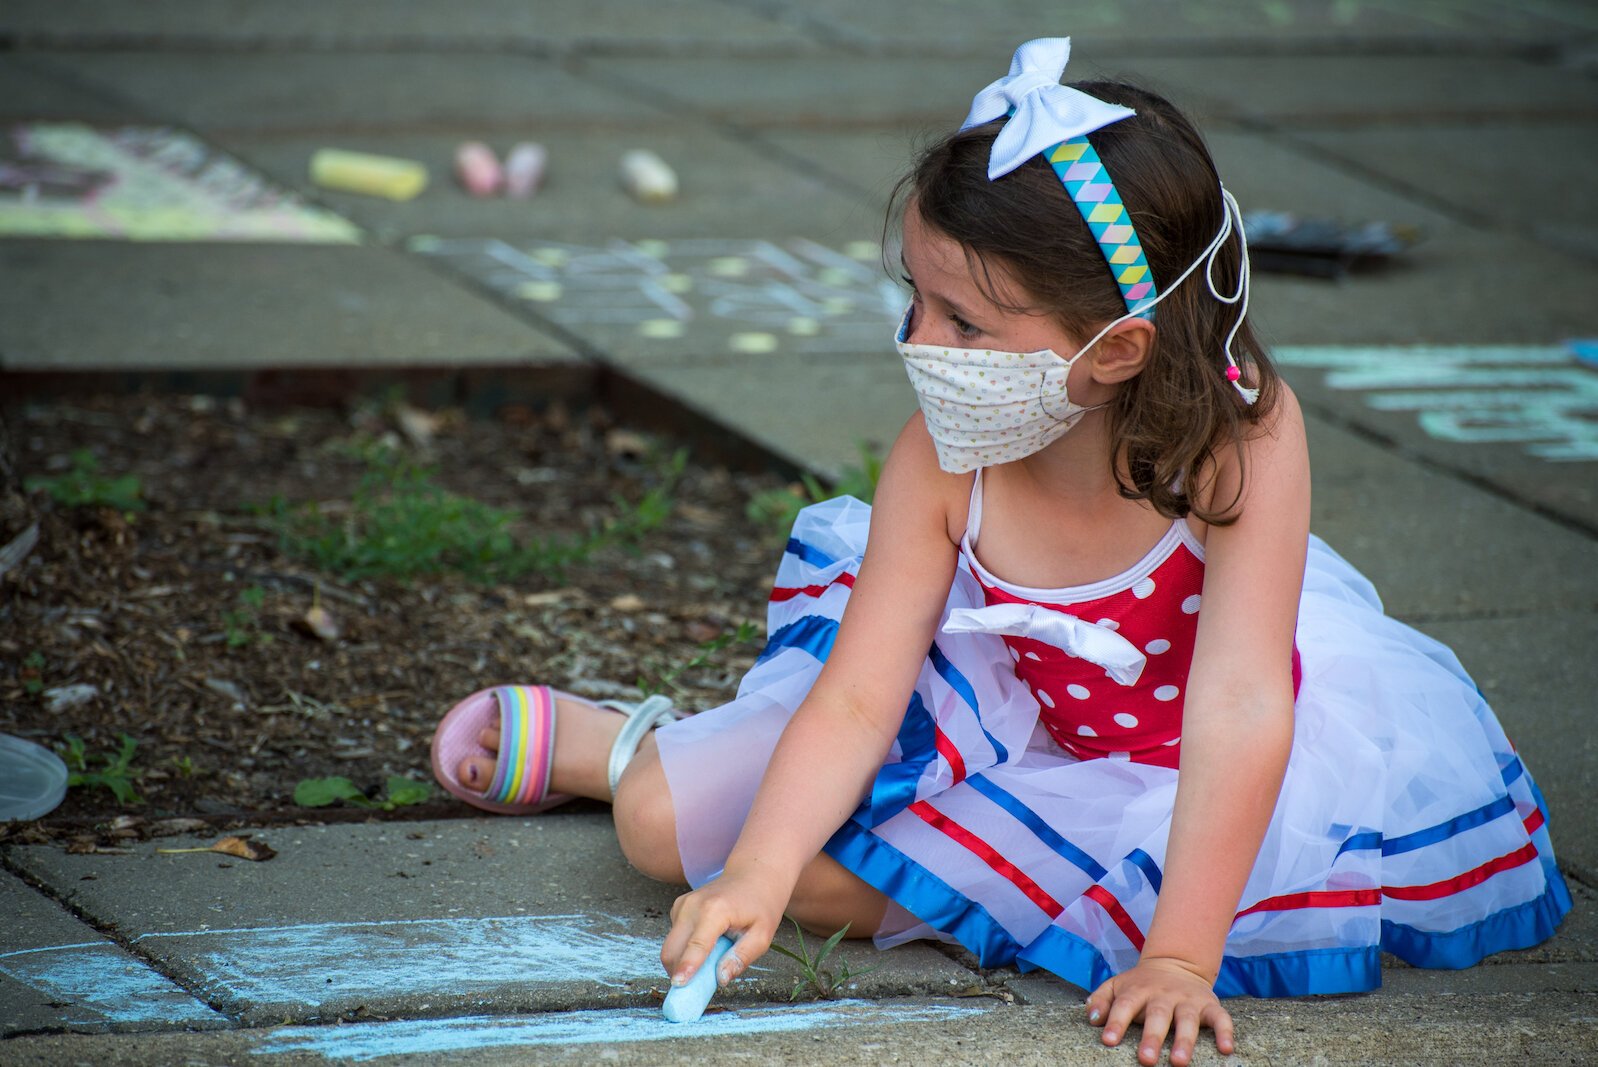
984,407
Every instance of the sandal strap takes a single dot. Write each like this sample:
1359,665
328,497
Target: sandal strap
641,718
526,744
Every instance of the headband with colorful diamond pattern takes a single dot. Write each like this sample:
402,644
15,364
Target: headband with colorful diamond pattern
1088,183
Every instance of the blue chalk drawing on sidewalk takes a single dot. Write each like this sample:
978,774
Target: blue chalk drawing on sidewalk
96,982
369,1041
1538,397
311,963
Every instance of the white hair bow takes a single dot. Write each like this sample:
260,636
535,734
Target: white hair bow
1042,111
1085,640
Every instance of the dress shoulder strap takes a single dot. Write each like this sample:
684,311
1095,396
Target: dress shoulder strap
973,515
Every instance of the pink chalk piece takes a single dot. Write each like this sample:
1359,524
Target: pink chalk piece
524,169
478,169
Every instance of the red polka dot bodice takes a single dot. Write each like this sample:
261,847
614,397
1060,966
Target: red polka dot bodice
1155,605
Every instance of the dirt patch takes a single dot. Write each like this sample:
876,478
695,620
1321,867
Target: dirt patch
184,624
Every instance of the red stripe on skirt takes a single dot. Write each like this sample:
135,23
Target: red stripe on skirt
946,749
1534,821
786,592
1474,877
1326,898
989,855
1101,896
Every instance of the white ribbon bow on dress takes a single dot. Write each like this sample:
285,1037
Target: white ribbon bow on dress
1097,644
1044,111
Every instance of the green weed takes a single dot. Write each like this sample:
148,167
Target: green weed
397,793
117,773
826,984
776,509
32,668
666,675
184,766
243,625
401,523
83,485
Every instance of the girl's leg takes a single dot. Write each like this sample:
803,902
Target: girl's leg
826,898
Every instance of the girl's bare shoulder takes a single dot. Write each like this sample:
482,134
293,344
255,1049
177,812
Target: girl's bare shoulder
916,488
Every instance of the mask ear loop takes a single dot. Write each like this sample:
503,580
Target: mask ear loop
1208,258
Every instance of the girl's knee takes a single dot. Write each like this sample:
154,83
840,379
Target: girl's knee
646,824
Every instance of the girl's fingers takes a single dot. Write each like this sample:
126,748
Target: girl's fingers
1098,1002
1186,1035
1122,1012
746,949
1220,1020
1156,1023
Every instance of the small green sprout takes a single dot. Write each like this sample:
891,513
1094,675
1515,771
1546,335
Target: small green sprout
825,983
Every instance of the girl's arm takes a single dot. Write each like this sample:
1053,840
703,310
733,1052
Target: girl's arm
840,735
1237,729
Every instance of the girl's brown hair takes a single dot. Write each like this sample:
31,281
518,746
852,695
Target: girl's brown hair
1166,423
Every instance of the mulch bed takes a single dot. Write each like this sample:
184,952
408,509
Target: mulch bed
184,625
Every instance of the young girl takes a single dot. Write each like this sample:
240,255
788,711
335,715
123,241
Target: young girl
1087,568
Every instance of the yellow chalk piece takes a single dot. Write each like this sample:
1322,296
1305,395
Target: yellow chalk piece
676,283
836,277
837,305
753,344
652,248
361,172
729,266
660,329
543,292
803,327
551,256
865,251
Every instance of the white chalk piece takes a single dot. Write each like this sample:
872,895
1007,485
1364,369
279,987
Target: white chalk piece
753,344
524,169
361,172
687,1002
802,326
647,177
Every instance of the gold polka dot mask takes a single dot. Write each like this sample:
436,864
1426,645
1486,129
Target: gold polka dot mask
984,407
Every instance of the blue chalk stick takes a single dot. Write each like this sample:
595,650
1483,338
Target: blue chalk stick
686,1003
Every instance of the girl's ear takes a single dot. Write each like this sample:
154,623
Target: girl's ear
1123,352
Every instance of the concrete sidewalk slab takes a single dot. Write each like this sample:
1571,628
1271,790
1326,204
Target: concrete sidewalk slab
944,26
833,92
550,25
1530,167
29,91
501,915
1486,1029
1366,90
57,973
92,305
331,94
1518,417
1436,547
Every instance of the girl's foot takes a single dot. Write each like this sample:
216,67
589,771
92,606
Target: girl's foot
584,736
520,749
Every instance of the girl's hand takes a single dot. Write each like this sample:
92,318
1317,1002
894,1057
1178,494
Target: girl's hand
1160,991
745,906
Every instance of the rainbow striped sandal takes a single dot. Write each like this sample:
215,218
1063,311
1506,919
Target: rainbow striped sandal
525,717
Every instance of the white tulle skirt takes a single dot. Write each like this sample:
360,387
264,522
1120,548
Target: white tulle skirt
1406,821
